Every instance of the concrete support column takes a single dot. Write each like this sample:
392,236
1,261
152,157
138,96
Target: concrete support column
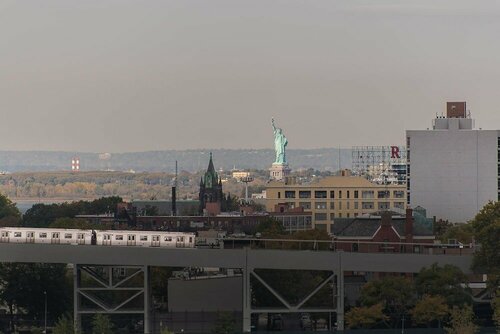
147,301
76,299
247,298
340,294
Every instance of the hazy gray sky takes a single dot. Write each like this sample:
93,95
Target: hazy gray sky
97,75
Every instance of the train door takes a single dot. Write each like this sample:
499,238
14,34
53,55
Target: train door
80,238
180,242
155,241
30,237
131,240
55,238
93,238
191,243
106,239
4,236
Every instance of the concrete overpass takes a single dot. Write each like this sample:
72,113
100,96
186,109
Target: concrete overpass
246,259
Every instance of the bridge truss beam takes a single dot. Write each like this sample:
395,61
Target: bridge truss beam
130,280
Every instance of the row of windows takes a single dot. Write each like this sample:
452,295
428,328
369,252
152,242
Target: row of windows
348,206
42,235
347,193
324,216
56,235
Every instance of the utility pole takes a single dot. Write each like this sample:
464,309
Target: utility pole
45,293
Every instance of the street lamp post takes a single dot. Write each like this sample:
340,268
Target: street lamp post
45,293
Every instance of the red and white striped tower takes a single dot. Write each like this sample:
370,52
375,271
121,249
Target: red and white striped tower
75,164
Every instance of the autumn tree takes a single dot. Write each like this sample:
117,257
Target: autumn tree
486,226
462,321
395,293
365,317
430,309
444,281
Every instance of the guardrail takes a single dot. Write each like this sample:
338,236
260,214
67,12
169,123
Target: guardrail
358,246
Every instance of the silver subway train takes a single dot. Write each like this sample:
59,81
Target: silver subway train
97,237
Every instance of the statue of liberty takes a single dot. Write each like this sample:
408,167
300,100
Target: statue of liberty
280,143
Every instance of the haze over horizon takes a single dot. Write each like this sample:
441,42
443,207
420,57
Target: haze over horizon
128,76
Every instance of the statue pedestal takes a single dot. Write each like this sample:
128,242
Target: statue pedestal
278,172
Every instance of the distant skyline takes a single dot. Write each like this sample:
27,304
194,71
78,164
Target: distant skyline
126,75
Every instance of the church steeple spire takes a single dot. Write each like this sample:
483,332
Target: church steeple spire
211,168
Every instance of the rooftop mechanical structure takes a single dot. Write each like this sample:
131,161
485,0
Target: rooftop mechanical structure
380,164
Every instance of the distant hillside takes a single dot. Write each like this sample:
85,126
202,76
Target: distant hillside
156,161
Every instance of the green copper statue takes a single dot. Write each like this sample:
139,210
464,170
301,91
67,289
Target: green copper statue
280,143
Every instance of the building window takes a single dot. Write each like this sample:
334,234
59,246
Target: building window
321,205
332,216
332,205
340,205
356,194
348,194
304,194
279,194
290,194
348,205
408,198
399,194
383,205
384,194
347,215
320,194
332,193
368,194
355,205
399,205
340,193
340,215
319,216
305,205
367,205
321,227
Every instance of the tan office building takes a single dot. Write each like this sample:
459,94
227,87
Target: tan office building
336,197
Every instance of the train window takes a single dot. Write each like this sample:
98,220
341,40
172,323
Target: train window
107,237
168,239
131,237
156,238
144,238
17,234
79,236
42,235
30,234
119,237
68,236
55,235
180,239
5,234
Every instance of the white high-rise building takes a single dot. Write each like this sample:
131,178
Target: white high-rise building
453,170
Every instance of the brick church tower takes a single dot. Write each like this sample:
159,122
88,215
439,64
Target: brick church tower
211,195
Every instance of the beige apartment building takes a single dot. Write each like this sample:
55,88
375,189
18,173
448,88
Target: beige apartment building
336,197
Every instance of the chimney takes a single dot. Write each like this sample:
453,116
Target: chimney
409,225
386,219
